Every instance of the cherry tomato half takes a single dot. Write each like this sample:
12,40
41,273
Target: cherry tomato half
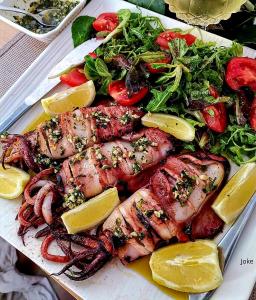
165,37
152,70
106,22
118,91
216,117
74,78
253,115
93,55
241,71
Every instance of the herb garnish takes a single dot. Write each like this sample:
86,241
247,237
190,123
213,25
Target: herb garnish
184,187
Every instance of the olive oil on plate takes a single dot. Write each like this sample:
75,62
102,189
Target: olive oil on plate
141,266
38,120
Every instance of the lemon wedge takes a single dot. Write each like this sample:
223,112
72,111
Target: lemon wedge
12,182
191,267
92,212
173,125
79,96
236,193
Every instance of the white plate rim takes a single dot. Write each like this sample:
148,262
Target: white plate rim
96,8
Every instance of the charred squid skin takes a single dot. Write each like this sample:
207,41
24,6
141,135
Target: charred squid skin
42,201
98,249
58,139
93,173
207,224
90,259
99,261
23,152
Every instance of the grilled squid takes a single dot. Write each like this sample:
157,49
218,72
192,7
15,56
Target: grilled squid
158,213
90,172
70,133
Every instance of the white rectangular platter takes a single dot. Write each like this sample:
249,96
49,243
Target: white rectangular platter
114,281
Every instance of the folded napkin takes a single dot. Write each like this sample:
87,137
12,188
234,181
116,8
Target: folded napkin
17,286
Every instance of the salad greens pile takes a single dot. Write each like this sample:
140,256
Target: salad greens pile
182,89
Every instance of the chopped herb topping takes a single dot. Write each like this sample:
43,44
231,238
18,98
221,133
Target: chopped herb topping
160,214
140,203
73,198
117,230
64,7
184,187
142,143
102,119
99,156
138,235
148,213
62,150
47,162
52,123
116,156
131,154
210,185
54,133
105,167
77,157
136,168
126,118
80,143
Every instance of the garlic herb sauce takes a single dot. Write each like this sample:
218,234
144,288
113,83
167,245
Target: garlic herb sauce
64,6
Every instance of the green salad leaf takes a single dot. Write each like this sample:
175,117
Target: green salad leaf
101,68
82,29
238,143
157,6
182,87
158,103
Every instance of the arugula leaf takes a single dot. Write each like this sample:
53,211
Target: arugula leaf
189,146
157,6
151,57
237,143
178,48
193,122
160,98
81,29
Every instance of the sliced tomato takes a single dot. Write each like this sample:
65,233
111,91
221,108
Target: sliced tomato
216,117
152,70
165,37
213,91
253,115
118,91
240,72
106,22
74,78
